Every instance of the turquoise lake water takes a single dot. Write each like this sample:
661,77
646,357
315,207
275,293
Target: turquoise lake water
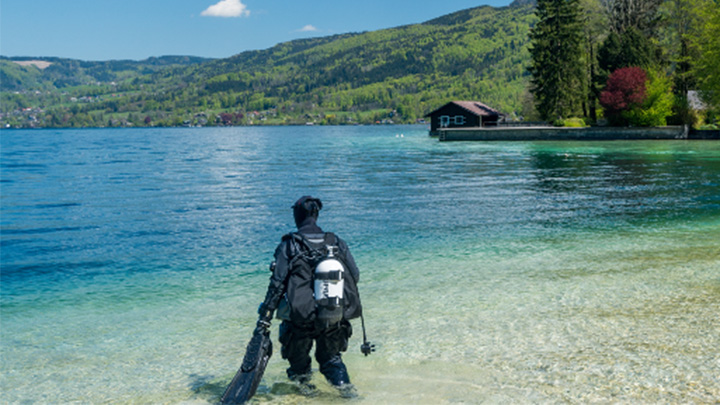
133,262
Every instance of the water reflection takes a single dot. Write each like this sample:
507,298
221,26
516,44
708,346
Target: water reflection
626,182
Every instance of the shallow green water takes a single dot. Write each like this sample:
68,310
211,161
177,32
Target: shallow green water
133,262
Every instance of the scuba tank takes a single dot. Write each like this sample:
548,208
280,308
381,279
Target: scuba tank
329,285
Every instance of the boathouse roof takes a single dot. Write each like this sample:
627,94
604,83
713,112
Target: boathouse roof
473,107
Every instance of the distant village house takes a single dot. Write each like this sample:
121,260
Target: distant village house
463,114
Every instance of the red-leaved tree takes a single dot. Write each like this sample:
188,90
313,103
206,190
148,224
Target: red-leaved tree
624,91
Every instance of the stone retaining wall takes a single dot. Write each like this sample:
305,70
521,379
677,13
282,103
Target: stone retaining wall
560,133
704,134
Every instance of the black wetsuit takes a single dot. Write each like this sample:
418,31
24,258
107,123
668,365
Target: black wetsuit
291,279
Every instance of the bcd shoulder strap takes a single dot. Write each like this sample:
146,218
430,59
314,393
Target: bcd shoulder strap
328,239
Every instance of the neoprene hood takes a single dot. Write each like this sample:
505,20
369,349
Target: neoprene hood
306,207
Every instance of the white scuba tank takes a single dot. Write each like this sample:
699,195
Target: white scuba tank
329,285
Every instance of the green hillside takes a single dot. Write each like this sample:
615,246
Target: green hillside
396,74
63,73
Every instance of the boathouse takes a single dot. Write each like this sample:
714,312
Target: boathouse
463,114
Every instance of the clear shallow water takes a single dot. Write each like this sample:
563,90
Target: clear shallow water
133,262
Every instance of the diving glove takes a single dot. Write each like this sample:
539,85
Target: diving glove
265,316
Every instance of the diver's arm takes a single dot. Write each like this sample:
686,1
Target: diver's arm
276,289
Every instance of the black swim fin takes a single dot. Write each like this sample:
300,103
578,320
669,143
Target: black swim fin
246,381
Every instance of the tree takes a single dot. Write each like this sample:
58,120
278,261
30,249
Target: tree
706,68
634,97
629,48
658,103
682,24
639,14
625,91
594,27
556,65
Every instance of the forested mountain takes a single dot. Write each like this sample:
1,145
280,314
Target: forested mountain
397,74
62,73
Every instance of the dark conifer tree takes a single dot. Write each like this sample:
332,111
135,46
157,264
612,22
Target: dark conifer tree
556,51
630,48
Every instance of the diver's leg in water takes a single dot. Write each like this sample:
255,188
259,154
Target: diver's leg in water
296,344
330,342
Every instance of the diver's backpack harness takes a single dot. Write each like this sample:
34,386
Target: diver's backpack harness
329,282
328,275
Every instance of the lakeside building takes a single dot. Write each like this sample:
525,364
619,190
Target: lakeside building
463,114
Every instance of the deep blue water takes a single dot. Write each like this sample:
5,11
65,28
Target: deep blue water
104,229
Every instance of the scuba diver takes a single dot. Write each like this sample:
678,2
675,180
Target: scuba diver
313,288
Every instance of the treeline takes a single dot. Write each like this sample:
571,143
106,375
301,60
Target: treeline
629,62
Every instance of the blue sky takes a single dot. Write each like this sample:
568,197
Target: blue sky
137,29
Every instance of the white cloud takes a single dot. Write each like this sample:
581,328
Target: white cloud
227,8
308,28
